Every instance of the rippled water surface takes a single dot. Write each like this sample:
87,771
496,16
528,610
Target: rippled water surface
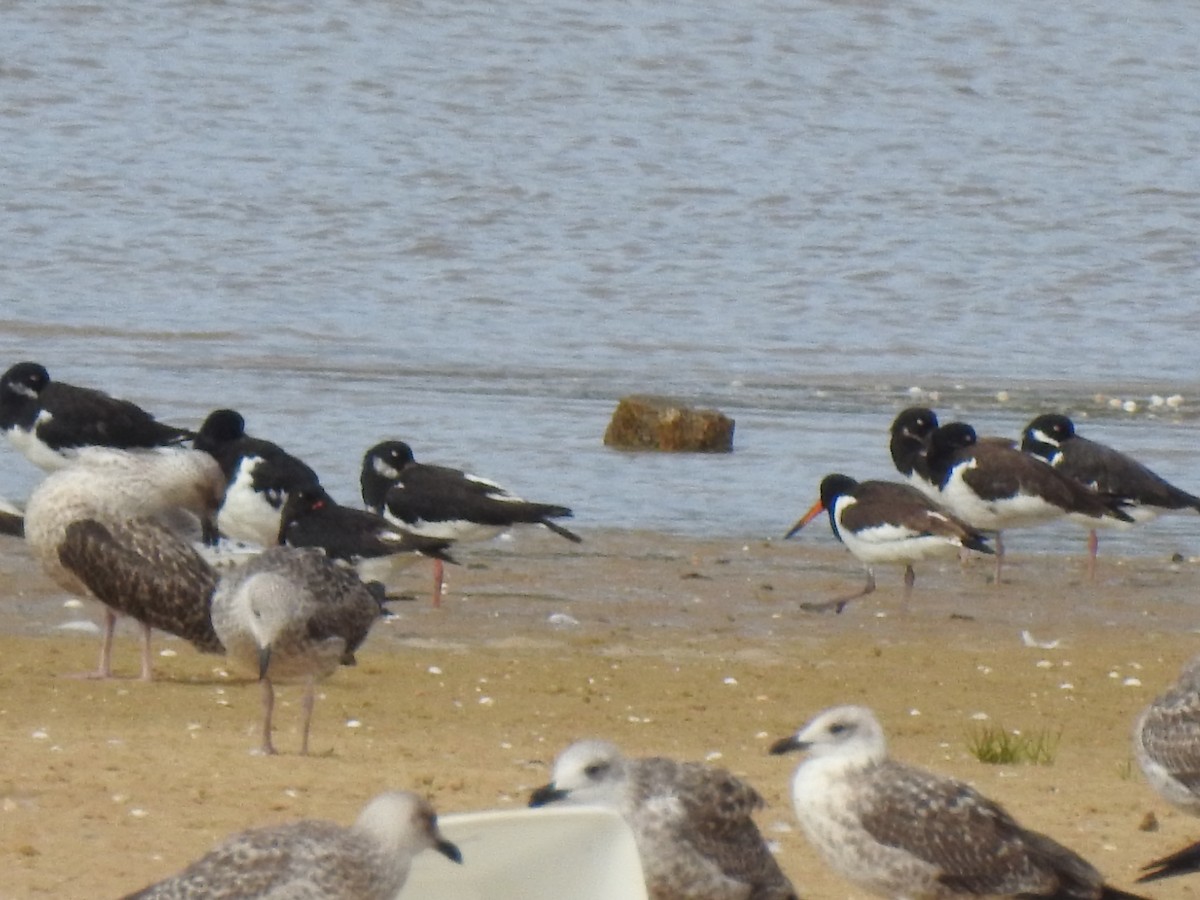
475,226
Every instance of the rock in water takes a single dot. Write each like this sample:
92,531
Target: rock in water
643,422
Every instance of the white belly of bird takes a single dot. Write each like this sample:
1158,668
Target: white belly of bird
1018,511
246,515
34,450
894,543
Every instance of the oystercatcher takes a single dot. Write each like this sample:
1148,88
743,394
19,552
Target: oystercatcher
992,487
49,421
373,545
441,502
260,476
881,521
1145,494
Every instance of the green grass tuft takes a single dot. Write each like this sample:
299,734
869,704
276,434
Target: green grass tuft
996,746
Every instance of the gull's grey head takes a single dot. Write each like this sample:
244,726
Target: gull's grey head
850,732
587,772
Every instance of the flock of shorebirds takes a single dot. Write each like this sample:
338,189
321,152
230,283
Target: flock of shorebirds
964,490
130,505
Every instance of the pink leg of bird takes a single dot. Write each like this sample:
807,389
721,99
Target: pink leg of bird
310,698
268,700
1093,548
147,667
999,555
439,573
104,670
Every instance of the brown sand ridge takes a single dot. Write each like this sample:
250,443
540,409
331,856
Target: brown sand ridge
689,648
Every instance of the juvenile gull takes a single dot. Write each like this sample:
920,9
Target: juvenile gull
446,503
902,832
1166,742
261,475
98,528
692,823
1105,470
315,860
49,421
880,521
291,614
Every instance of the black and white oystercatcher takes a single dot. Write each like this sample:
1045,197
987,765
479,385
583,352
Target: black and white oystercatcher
446,503
260,476
97,528
50,421
993,487
881,521
1143,493
366,540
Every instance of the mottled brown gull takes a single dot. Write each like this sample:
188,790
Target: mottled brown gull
292,614
692,822
1166,743
99,529
902,832
315,860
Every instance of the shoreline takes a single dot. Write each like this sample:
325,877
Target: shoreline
666,645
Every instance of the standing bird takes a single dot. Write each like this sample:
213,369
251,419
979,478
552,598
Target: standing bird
993,487
880,521
260,475
1166,744
440,502
292,614
315,860
50,421
1105,470
899,831
692,823
99,529
369,542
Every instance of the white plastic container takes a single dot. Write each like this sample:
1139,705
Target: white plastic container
550,853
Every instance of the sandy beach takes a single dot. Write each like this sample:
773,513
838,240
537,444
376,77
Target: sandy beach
690,648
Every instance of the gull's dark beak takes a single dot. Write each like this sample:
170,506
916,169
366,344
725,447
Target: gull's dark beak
547,793
448,850
788,745
264,660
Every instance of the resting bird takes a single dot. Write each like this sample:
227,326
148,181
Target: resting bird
100,529
292,614
315,860
260,476
692,823
899,831
373,545
50,421
1166,744
440,502
1143,494
880,521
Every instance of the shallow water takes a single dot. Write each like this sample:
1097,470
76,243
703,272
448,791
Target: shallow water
475,228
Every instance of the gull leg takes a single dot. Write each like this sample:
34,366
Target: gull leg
1093,549
837,604
268,700
999,555
104,669
910,578
147,668
310,698
439,574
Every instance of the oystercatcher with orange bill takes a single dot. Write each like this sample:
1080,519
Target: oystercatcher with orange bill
50,421
1145,494
882,521
992,487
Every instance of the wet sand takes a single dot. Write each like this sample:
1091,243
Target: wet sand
689,648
